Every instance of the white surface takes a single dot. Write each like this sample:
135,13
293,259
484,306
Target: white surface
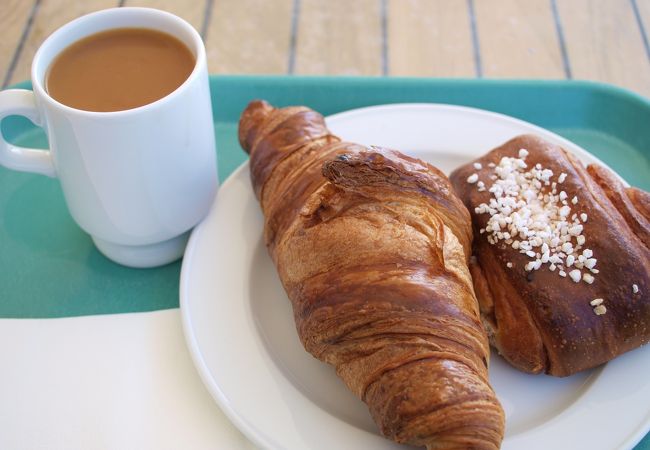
115,382
132,179
240,331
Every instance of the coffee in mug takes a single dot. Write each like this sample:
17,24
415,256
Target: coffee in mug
119,69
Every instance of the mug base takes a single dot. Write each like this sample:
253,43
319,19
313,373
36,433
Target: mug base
144,256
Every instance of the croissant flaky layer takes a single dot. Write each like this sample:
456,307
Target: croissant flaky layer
541,319
372,249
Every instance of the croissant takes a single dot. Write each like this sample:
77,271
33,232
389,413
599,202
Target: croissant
371,247
562,270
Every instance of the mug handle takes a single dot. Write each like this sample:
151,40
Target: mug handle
21,102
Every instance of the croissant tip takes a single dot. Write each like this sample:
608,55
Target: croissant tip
251,117
258,103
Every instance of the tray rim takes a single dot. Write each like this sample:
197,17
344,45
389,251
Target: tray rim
373,95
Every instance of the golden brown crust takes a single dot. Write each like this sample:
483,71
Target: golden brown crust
632,203
641,201
558,310
371,247
387,170
504,318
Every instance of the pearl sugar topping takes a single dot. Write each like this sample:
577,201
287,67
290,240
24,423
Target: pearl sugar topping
531,213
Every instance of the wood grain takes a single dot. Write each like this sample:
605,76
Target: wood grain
518,39
339,37
13,20
515,38
51,15
249,36
429,38
643,8
604,42
190,10
644,13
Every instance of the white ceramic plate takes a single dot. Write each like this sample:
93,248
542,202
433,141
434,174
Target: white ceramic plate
240,331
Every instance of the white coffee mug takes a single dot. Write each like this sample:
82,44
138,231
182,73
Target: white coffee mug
136,180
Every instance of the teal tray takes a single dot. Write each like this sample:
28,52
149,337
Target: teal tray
49,267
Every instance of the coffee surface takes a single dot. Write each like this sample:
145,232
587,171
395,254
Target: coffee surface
119,69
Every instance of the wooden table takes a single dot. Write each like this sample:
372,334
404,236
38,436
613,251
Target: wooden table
604,40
